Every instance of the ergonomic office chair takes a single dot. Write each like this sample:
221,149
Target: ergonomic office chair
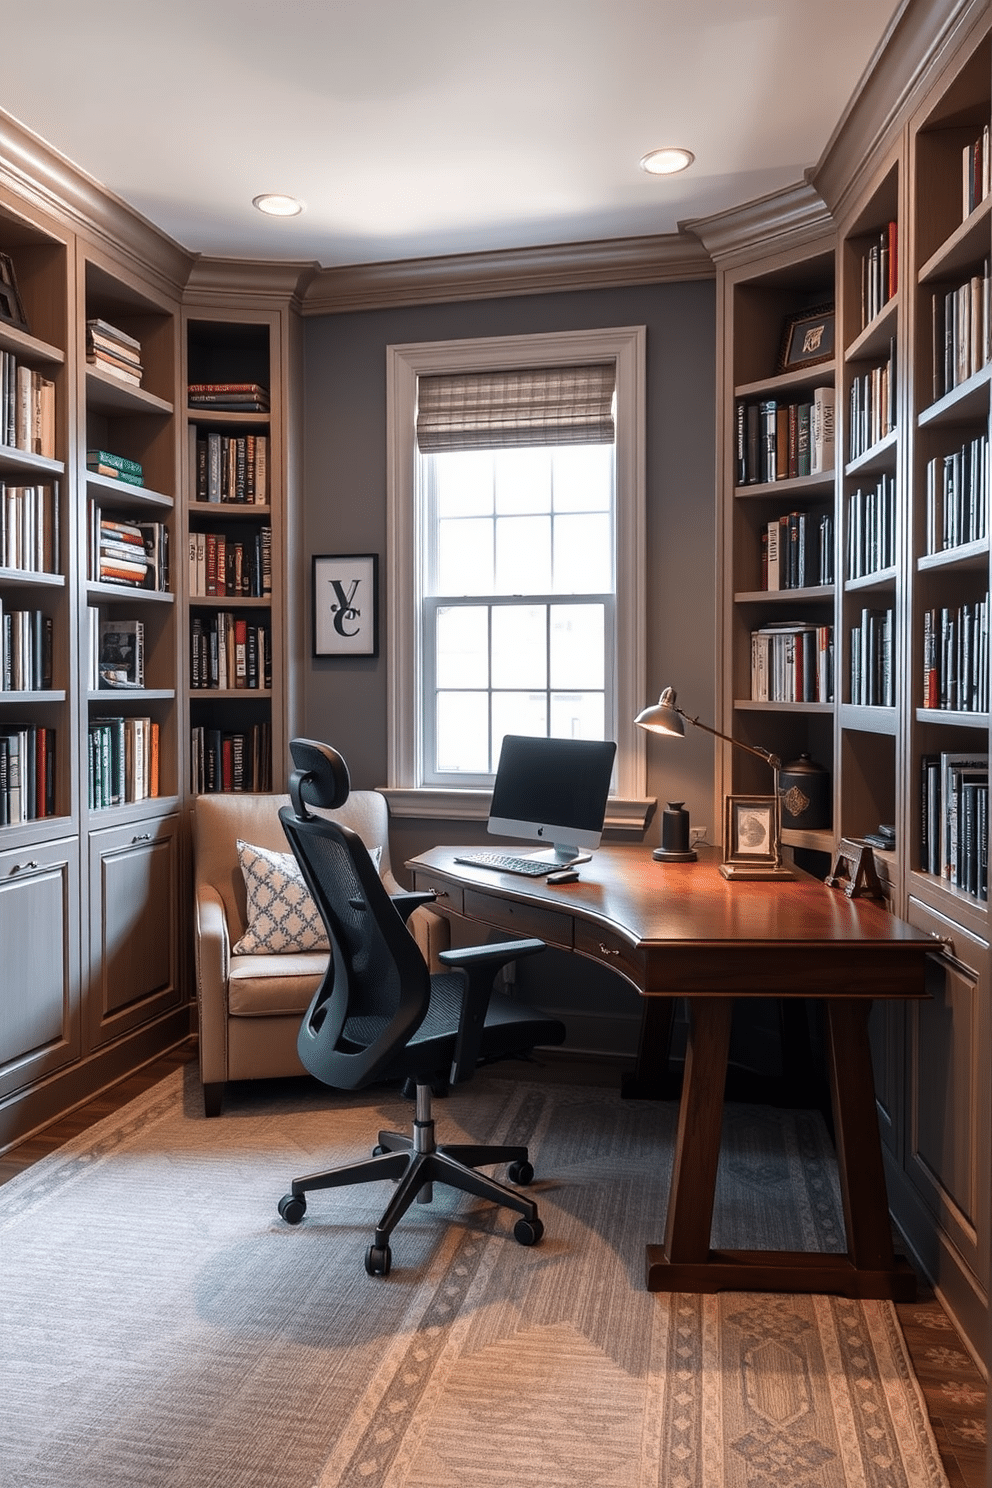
379,1014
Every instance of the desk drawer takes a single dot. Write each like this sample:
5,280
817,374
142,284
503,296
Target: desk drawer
611,950
520,919
449,897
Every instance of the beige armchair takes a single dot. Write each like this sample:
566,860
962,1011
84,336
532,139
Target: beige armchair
251,1006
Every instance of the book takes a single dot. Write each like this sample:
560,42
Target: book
822,431
112,333
127,467
122,654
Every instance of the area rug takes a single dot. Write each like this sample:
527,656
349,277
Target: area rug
163,1328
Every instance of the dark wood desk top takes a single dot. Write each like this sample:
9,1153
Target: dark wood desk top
681,928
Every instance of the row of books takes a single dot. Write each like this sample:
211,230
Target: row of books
792,662
29,528
957,499
115,467
879,273
872,406
230,651
871,528
229,397
954,822
25,650
961,331
780,441
975,173
232,468
116,652
122,761
27,408
797,551
113,351
872,676
127,552
222,760
225,565
956,657
27,773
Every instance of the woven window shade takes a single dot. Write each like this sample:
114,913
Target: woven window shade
502,410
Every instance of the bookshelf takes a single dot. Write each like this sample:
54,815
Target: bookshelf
233,666
778,626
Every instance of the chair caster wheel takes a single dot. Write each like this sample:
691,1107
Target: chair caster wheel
378,1150
292,1208
520,1172
378,1259
528,1231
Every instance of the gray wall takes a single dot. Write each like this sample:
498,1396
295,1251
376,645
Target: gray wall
344,511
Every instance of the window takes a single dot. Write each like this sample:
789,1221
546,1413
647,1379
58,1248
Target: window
515,572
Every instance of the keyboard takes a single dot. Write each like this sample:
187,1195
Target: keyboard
506,863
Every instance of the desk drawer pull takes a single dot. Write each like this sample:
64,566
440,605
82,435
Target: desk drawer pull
141,837
24,867
608,950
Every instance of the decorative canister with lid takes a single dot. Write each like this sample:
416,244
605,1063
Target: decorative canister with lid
804,788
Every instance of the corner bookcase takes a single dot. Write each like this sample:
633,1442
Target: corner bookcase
902,251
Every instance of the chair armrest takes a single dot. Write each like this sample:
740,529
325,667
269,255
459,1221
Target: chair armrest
213,964
479,966
407,900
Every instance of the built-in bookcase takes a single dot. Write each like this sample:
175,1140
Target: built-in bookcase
779,520
869,502
233,666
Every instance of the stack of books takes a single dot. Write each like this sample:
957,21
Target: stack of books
27,408
229,397
25,650
122,761
121,556
113,351
114,467
27,773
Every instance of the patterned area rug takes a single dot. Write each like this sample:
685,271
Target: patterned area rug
162,1328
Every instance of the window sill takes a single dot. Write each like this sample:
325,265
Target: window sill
627,815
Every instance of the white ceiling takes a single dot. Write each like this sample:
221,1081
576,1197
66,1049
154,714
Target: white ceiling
449,126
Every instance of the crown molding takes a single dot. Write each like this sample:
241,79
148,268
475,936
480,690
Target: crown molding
553,269
918,40
260,284
46,180
791,217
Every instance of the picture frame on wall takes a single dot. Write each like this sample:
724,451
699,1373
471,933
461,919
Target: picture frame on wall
807,338
750,831
345,596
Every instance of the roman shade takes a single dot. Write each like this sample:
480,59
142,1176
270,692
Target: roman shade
532,405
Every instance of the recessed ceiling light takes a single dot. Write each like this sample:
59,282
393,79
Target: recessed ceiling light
274,205
667,161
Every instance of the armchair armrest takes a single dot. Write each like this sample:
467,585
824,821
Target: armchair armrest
479,966
213,964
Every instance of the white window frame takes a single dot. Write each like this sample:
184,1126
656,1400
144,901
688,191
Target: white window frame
404,364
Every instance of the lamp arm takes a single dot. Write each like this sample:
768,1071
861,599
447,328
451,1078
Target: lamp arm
763,754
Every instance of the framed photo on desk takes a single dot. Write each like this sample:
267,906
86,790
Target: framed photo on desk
749,831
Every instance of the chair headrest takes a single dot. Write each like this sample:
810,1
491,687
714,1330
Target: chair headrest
321,776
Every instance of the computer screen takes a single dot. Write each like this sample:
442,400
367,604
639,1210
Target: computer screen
553,791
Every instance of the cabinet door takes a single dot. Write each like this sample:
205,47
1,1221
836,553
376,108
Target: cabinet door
134,934
39,967
948,1161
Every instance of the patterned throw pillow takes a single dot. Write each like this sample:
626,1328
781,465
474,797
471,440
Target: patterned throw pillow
282,916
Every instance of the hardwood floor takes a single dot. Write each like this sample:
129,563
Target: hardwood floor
953,1386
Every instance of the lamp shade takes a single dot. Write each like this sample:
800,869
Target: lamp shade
663,717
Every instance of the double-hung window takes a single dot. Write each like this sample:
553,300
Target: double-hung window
516,546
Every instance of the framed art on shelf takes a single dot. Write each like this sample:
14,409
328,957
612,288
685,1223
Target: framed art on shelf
345,604
807,339
11,309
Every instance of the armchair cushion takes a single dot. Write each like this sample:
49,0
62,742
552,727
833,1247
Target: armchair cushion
282,917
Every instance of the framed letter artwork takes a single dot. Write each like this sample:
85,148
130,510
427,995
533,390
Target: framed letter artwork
346,604
807,338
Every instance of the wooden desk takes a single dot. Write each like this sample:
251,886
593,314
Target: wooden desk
681,930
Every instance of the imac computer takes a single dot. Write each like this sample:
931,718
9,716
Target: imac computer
553,791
